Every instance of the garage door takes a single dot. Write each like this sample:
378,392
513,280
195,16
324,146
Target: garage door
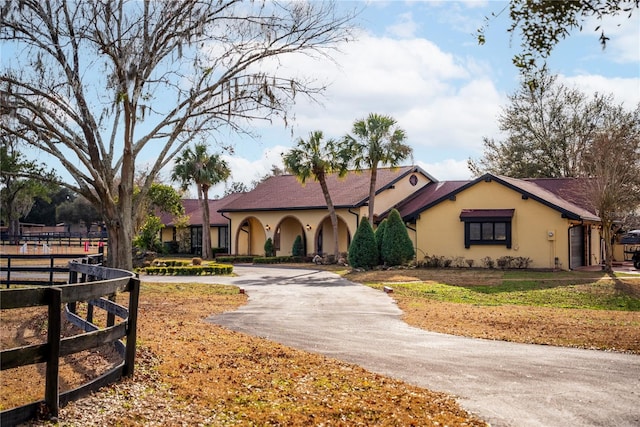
576,247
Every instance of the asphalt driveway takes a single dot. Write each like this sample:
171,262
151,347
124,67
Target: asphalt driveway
504,383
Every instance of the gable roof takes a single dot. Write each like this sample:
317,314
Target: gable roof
285,192
561,194
193,209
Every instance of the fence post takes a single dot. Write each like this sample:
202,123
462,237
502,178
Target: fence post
51,396
132,325
8,271
51,270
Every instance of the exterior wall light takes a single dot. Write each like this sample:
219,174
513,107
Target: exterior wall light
267,227
308,227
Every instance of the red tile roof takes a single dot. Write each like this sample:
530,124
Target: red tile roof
285,192
193,209
563,194
427,196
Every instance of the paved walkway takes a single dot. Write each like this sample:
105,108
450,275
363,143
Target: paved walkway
506,384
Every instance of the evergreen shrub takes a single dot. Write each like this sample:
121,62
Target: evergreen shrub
363,251
397,247
297,250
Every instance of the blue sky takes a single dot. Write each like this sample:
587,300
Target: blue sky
419,62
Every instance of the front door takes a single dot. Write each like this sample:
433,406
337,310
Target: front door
196,240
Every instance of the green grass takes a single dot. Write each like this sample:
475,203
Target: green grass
560,290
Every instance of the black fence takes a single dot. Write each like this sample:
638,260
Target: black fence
91,283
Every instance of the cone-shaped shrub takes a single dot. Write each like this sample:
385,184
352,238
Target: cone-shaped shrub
269,250
363,251
379,233
297,249
397,248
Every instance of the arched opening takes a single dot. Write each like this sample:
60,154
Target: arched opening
250,237
324,237
285,235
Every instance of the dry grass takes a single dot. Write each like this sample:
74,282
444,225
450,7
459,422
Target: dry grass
193,373
189,372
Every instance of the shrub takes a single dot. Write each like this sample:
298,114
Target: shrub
297,250
363,251
272,259
487,262
379,233
397,247
470,262
268,248
147,238
235,258
191,270
196,261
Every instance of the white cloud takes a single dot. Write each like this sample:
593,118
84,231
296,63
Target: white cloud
447,170
623,33
404,27
624,90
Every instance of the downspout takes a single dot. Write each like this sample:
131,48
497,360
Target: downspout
357,220
228,232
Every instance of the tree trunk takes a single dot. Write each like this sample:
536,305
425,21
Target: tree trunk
332,215
608,247
120,250
372,191
206,228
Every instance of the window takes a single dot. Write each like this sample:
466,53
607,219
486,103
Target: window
487,226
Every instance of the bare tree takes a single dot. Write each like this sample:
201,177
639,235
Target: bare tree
548,127
612,164
101,85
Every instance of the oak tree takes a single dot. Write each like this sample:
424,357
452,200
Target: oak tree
102,86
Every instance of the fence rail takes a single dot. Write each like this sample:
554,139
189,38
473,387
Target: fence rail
59,239
49,269
96,285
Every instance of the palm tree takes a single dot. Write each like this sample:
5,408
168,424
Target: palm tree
205,170
377,140
315,159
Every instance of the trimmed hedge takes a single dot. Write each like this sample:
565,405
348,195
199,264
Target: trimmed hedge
278,259
231,259
191,270
170,263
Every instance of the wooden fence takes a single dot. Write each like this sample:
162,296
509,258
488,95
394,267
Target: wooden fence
49,268
97,286
34,242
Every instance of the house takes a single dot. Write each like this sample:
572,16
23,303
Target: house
218,227
281,208
547,221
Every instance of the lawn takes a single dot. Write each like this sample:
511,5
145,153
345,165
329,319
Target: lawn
577,309
189,372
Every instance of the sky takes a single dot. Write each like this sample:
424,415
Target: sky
419,62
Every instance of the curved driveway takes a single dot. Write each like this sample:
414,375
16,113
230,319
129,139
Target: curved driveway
506,384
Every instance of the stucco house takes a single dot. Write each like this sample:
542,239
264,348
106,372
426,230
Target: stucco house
547,221
218,227
282,208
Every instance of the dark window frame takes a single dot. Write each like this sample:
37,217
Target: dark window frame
485,228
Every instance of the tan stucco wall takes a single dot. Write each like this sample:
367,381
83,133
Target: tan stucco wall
348,221
440,231
392,196
292,223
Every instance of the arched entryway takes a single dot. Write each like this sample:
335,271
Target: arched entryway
250,237
323,242
285,235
